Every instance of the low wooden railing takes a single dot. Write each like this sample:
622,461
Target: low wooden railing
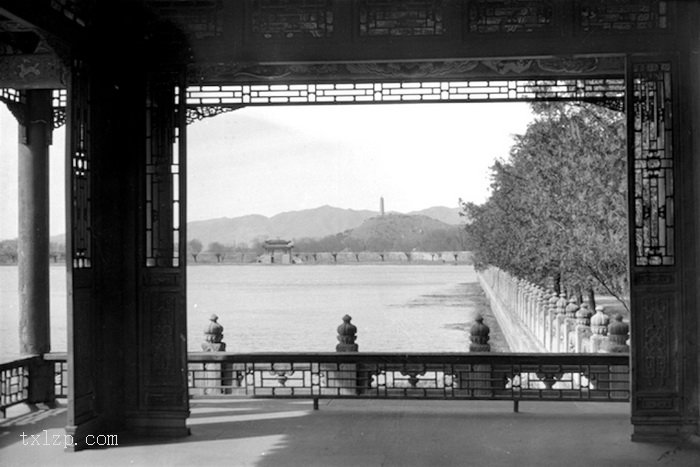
464,376
14,381
314,376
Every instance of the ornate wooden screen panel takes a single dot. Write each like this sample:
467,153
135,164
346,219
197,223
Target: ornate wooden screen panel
412,18
162,309
287,19
652,129
618,17
510,16
81,274
655,285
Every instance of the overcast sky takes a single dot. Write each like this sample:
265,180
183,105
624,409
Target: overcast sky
267,160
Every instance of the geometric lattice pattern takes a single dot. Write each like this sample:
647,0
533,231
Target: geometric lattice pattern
654,221
575,377
162,176
476,91
286,19
14,383
406,18
81,167
58,103
509,16
622,16
11,95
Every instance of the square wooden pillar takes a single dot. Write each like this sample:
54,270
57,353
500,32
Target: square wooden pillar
663,243
159,403
127,343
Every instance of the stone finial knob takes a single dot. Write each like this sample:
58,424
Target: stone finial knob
213,336
572,308
599,321
618,332
583,315
347,334
479,335
561,304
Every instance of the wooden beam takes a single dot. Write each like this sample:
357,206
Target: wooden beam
34,71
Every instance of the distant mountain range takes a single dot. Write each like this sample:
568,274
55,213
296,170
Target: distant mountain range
308,223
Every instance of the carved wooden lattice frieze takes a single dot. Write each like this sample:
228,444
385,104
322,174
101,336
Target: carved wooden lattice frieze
476,91
509,16
288,19
16,102
204,111
654,220
80,168
401,18
200,19
622,16
162,222
58,103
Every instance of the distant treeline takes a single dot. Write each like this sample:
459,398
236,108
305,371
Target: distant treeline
9,251
451,238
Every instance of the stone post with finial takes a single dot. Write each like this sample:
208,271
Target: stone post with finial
213,336
479,378
479,336
543,315
599,328
347,335
217,377
553,323
570,324
618,333
583,329
560,331
346,378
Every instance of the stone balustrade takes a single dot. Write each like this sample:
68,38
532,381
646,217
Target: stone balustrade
534,319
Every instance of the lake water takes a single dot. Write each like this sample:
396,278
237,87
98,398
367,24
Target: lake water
397,308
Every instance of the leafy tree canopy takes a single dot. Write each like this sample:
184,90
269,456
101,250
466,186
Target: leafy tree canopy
558,203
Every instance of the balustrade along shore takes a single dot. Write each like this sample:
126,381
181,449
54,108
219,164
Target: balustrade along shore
536,320
347,373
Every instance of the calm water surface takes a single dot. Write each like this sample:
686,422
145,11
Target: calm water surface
298,308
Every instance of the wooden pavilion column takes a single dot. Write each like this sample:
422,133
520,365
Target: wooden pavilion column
33,242
127,345
158,403
663,245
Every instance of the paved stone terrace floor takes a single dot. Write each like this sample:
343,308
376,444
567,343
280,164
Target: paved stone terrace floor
247,432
